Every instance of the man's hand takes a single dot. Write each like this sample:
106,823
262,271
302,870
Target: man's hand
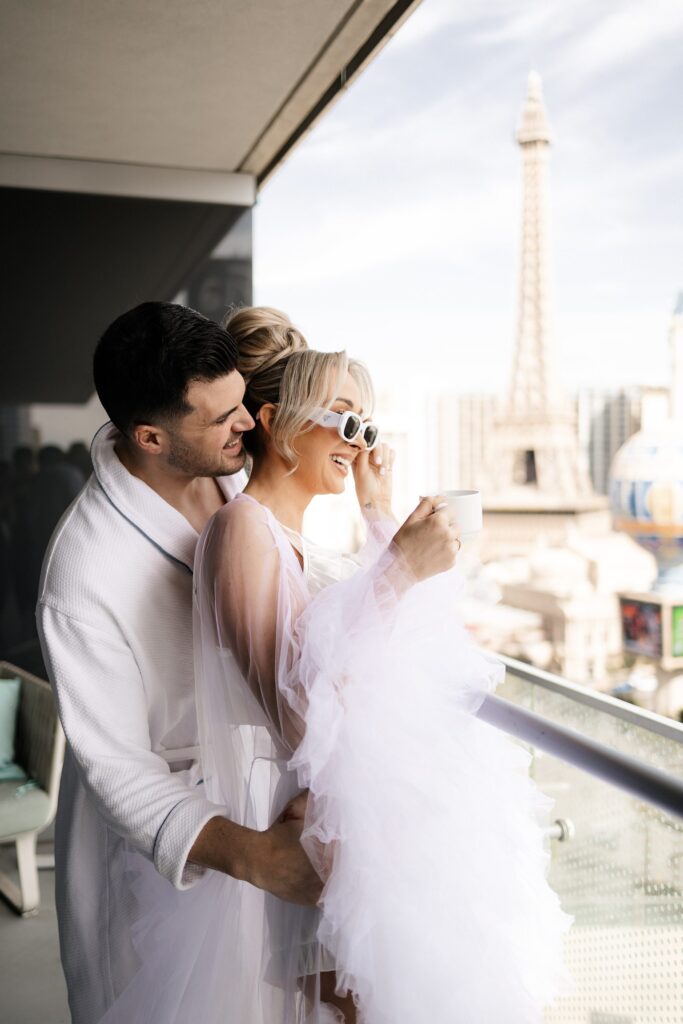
280,866
273,860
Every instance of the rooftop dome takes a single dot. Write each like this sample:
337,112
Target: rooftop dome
646,495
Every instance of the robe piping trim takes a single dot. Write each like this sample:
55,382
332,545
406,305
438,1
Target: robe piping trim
151,540
132,522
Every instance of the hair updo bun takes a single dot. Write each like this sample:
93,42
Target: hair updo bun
265,339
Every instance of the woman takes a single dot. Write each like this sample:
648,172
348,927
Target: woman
352,677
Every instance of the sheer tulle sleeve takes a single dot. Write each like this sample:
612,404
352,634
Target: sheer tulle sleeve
252,593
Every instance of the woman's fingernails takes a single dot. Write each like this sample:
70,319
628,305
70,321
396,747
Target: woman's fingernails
378,460
382,471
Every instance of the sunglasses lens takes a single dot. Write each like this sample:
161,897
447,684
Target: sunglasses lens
351,427
370,435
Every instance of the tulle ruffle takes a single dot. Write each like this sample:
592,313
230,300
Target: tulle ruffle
423,819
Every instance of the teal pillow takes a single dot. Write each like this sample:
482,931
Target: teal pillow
9,705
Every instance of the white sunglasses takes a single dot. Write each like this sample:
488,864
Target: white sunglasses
348,425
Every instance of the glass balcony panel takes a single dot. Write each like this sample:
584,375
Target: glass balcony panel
620,875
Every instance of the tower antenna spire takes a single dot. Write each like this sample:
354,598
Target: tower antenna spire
532,385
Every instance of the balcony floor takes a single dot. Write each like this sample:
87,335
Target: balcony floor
31,982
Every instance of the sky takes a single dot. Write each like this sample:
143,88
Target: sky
393,229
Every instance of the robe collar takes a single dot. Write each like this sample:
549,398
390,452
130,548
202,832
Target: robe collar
162,525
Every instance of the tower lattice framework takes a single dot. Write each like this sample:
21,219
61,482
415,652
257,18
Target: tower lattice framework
535,447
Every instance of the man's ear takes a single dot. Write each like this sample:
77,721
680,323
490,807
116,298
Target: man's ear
148,438
265,416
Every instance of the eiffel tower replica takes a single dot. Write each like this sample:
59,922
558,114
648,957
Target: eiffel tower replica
537,479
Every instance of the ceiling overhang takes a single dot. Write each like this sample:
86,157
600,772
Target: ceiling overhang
139,181
132,136
213,85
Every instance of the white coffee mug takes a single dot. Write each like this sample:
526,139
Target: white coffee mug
466,508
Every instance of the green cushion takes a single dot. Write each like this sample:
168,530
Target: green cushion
9,705
11,772
22,808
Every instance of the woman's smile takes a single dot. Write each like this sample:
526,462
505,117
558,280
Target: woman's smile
342,462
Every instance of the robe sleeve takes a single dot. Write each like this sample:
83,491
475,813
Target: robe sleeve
103,710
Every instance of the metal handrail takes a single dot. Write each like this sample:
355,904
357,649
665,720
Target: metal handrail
628,773
604,702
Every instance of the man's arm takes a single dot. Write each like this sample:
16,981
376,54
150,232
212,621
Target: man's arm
103,710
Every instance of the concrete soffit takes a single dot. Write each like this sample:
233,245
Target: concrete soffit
135,180
99,177
366,29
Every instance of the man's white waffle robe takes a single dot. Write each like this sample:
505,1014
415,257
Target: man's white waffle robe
115,621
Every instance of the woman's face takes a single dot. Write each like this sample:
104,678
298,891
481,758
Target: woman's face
325,459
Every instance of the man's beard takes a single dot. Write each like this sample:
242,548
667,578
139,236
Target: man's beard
184,458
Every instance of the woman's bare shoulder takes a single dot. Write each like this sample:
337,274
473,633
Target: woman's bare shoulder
243,519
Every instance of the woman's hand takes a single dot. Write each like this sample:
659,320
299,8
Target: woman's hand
429,540
372,472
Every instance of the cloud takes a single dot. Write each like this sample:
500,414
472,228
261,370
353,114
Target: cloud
397,221
625,33
510,22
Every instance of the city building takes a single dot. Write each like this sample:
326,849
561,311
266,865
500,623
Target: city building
676,356
476,418
606,419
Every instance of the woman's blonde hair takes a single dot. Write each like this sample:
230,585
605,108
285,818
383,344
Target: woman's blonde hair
279,368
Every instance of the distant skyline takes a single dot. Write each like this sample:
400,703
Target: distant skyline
393,229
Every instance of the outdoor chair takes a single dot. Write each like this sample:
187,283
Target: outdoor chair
28,809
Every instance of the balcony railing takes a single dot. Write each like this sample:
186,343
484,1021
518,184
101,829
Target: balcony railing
616,774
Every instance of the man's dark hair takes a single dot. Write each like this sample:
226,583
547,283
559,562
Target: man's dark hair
147,357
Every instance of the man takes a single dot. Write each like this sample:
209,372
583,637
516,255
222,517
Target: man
115,621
